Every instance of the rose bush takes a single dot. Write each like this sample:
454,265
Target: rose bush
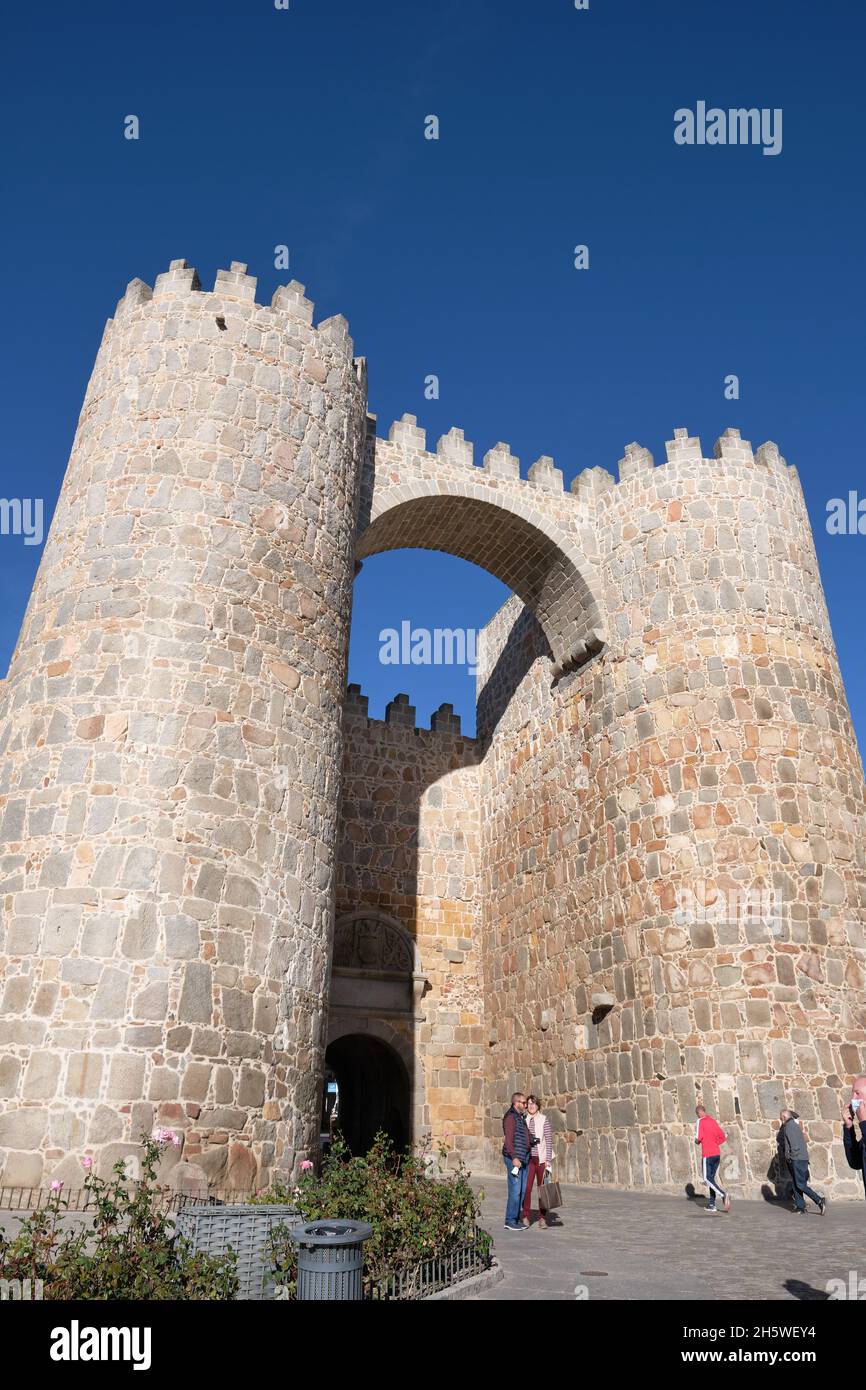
131,1251
414,1217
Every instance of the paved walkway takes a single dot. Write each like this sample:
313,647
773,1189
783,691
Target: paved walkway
628,1245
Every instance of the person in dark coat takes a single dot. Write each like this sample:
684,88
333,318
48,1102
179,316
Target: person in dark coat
855,1110
796,1152
778,1172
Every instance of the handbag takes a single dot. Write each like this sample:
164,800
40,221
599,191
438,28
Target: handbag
549,1194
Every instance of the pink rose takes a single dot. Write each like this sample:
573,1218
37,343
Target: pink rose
56,1185
88,1162
166,1136
306,1166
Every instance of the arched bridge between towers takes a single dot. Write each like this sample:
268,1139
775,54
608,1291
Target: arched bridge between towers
529,533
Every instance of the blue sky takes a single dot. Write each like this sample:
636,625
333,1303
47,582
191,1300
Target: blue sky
455,257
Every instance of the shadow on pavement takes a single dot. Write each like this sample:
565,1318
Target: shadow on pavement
805,1292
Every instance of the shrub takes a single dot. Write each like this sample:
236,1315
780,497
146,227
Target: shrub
131,1252
414,1217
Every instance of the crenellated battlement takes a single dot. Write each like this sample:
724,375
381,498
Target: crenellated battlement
194,334
407,441
232,302
399,713
233,291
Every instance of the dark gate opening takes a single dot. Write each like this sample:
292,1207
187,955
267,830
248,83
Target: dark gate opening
373,1091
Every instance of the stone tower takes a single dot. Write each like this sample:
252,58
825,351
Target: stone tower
674,873
172,741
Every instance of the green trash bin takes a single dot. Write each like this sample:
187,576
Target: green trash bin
331,1260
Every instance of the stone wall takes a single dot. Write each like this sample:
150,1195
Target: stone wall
409,837
172,744
708,752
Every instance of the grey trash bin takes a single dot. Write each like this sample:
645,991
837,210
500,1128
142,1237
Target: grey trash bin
331,1260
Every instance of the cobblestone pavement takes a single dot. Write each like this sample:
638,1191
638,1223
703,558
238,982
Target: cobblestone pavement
627,1245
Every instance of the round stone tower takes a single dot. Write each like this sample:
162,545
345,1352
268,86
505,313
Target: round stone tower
735,807
172,742
673,847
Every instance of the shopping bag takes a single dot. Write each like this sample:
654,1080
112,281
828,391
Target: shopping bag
549,1194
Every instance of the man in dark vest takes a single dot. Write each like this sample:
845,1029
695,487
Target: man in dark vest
516,1152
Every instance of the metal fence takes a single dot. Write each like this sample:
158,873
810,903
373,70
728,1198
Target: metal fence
440,1272
428,1277
25,1199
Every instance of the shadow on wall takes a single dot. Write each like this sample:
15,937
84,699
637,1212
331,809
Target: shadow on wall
525,644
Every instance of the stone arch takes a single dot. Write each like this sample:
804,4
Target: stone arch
373,1091
376,993
359,1035
509,538
377,1028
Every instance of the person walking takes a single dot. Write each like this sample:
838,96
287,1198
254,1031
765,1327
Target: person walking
779,1172
855,1109
540,1159
710,1136
516,1150
796,1154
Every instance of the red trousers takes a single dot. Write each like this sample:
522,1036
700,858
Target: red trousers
535,1174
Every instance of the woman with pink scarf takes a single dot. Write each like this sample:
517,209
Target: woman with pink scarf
542,1156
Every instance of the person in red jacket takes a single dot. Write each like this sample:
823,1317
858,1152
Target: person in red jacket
710,1136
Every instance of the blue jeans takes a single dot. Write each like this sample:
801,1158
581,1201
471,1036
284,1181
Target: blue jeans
516,1191
800,1177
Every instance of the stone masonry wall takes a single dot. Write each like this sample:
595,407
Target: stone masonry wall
172,746
707,752
408,847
